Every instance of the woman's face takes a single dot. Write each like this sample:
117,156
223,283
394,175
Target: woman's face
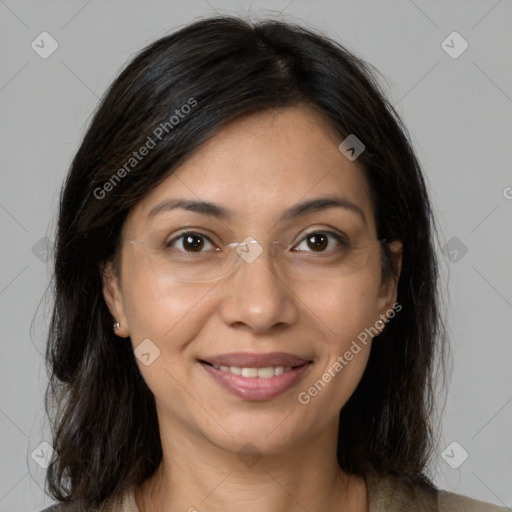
270,353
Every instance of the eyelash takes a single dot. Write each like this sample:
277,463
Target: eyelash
182,236
340,238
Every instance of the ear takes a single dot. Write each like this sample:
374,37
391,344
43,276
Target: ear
389,287
114,299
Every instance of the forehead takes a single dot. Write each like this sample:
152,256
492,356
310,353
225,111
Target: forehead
261,164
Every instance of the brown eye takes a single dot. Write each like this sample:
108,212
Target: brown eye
193,243
321,242
317,242
190,242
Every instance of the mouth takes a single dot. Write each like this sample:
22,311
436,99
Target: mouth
266,372
256,376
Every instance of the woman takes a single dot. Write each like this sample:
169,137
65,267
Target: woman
246,312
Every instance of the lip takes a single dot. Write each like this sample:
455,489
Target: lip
252,360
255,388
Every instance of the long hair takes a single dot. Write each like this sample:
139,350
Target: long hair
172,97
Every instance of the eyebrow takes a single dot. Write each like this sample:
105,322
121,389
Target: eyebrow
221,213
202,207
322,203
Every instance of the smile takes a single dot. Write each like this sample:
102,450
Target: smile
262,373
256,377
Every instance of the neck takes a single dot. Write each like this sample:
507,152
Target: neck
195,475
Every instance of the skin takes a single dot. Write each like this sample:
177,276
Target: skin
257,166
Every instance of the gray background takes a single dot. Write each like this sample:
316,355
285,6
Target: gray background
458,111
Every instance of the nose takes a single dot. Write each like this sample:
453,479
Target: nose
257,298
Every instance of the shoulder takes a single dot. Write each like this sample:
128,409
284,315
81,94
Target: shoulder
62,507
414,493
450,502
122,502
400,492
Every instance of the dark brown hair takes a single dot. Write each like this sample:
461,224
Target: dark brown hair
103,414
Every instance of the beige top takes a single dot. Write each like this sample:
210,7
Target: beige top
389,494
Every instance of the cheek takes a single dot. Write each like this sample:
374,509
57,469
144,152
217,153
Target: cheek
343,310
155,306
171,316
344,317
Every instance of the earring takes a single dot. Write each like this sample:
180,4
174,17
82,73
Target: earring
117,326
380,325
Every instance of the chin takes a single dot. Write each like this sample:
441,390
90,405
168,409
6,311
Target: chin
260,433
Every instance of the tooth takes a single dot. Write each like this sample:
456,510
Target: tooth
249,372
266,373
